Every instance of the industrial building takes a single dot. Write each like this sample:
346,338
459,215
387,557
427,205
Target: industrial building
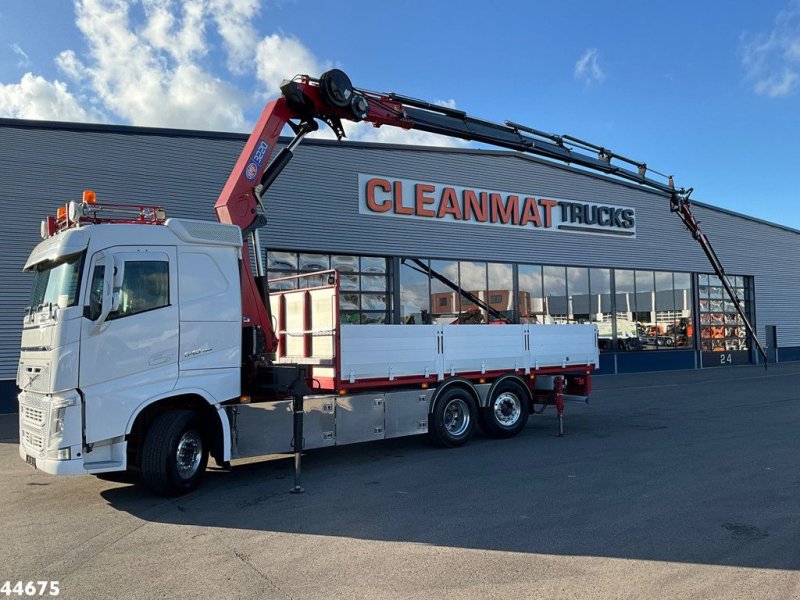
533,241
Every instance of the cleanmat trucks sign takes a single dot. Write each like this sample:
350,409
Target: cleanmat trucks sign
406,198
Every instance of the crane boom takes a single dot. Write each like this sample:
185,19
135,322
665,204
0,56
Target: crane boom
332,98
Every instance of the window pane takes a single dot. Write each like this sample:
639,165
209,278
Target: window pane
625,297
531,303
314,262
414,294
373,283
282,260
445,302
345,264
372,264
473,280
501,291
665,317
555,294
645,310
684,327
348,282
348,301
96,292
600,306
145,286
373,301
372,318
578,289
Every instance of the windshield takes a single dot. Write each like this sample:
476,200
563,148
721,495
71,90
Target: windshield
57,282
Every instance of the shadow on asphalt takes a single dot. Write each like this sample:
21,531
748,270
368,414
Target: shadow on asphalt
651,473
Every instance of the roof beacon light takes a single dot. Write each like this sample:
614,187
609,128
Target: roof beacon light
61,213
89,197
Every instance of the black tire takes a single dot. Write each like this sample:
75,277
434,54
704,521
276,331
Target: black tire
171,431
453,418
507,411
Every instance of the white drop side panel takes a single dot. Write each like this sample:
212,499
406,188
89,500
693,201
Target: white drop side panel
482,348
388,351
562,345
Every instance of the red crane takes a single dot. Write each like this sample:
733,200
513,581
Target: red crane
332,98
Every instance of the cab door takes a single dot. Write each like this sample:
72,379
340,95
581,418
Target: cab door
129,335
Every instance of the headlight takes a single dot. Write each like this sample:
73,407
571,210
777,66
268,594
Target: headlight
57,422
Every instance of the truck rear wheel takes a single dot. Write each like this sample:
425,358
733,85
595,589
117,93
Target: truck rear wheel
174,455
453,418
507,412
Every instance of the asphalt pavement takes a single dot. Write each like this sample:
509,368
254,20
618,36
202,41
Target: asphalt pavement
667,485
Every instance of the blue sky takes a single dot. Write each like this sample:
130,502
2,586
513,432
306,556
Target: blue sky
707,91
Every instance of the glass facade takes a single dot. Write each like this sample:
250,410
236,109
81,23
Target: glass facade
364,295
634,310
721,327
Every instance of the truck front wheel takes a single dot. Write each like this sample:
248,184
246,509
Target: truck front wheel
175,454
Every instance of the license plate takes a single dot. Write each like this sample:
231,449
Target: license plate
31,460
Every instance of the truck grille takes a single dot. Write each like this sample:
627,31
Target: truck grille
34,416
34,378
32,440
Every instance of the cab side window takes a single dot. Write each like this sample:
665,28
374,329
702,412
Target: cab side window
145,286
96,292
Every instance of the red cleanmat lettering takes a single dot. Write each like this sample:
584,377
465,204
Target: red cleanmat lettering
530,213
384,204
548,211
505,212
472,206
449,204
420,190
399,209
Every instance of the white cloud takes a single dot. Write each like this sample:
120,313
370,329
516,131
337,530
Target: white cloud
24,60
149,67
281,57
36,98
588,69
364,132
771,61
234,25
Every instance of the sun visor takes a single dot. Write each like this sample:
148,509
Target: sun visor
62,244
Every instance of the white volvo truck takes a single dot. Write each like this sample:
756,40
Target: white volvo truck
149,344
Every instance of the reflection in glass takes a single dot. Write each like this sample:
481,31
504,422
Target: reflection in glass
625,298
445,302
501,292
578,303
348,282
345,264
373,283
531,301
555,294
600,306
282,260
373,264
313,262
473,280
414,295
373,301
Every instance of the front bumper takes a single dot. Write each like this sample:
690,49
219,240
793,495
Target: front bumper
55,467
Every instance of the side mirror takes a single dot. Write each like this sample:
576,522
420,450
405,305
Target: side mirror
108,295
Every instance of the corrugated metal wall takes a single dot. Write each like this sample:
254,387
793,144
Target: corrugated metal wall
314,206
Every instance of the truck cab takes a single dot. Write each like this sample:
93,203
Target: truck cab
127,320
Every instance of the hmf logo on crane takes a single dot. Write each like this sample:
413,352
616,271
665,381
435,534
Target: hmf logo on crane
435,201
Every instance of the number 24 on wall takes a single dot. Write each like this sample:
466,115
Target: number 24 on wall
725,359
